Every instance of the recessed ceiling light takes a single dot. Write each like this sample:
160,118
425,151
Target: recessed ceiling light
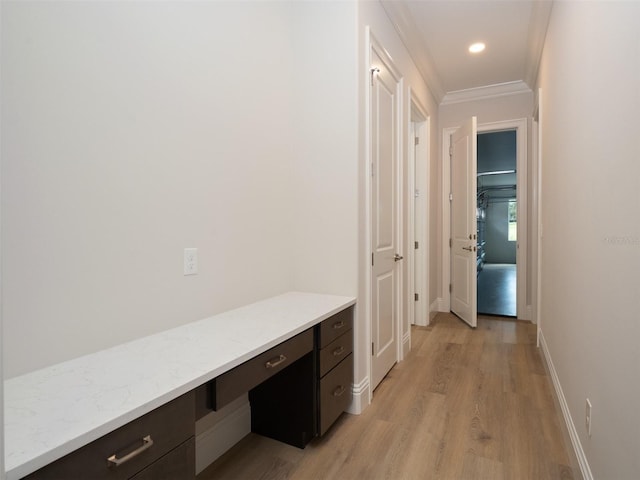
477,47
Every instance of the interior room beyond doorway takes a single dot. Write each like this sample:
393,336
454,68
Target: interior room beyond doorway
497,223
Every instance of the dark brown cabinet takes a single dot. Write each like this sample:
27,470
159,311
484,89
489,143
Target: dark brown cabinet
335,367
163,436
305,399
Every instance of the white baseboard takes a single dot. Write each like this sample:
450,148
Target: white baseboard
442,305
573,434
406,345
361,397
215,441
529,312
433,310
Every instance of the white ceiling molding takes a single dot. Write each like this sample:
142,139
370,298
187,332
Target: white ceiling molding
401,18
483,93
540,14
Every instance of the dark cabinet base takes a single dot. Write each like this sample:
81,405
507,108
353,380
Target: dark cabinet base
283,407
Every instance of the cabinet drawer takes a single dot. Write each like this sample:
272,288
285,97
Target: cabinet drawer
178,464
334,326
229,386
335,393
335,352
167,427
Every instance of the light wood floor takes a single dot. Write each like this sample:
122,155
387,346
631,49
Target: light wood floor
465,404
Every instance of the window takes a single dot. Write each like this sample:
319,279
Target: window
513,220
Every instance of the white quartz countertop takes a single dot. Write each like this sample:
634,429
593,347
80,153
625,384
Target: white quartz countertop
56,410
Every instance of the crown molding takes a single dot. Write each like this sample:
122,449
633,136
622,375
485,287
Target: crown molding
489,91
538,25
401,19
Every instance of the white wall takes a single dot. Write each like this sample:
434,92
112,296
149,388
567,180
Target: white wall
325,136
134,130
590,75
495,109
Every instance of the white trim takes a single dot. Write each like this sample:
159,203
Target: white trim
361,397
406,343
402,293
528,313
484,93
434,308
537,114
419,122
214,442
400,16
366,254
566,413
445,300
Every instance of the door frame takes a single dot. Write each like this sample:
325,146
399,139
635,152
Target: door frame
371,44
523,195
418,217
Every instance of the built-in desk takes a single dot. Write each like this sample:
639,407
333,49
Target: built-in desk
60,409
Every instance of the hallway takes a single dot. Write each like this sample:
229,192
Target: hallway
465,404
497,290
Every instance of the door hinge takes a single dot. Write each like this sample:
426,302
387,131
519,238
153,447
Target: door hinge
450,243
372,169
416,297
417,141
450,288
372,259
451,197
372,350
416,245
450,150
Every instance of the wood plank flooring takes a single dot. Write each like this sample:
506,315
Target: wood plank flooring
465,404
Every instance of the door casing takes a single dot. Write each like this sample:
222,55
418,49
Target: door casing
418,218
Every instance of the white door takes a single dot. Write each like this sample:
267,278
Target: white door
463,222
384,219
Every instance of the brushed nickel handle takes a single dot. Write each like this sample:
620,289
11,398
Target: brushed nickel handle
274,362
338,391
114,461
397,257
338,351
338,325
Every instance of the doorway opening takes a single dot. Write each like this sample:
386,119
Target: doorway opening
496,217
524,294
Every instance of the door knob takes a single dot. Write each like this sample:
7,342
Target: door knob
468,249
397,257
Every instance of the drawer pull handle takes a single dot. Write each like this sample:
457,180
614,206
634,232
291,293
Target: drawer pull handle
274,362
338,351
338,391
338,325
114,461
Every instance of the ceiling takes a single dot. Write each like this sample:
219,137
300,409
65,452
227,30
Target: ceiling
437,34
